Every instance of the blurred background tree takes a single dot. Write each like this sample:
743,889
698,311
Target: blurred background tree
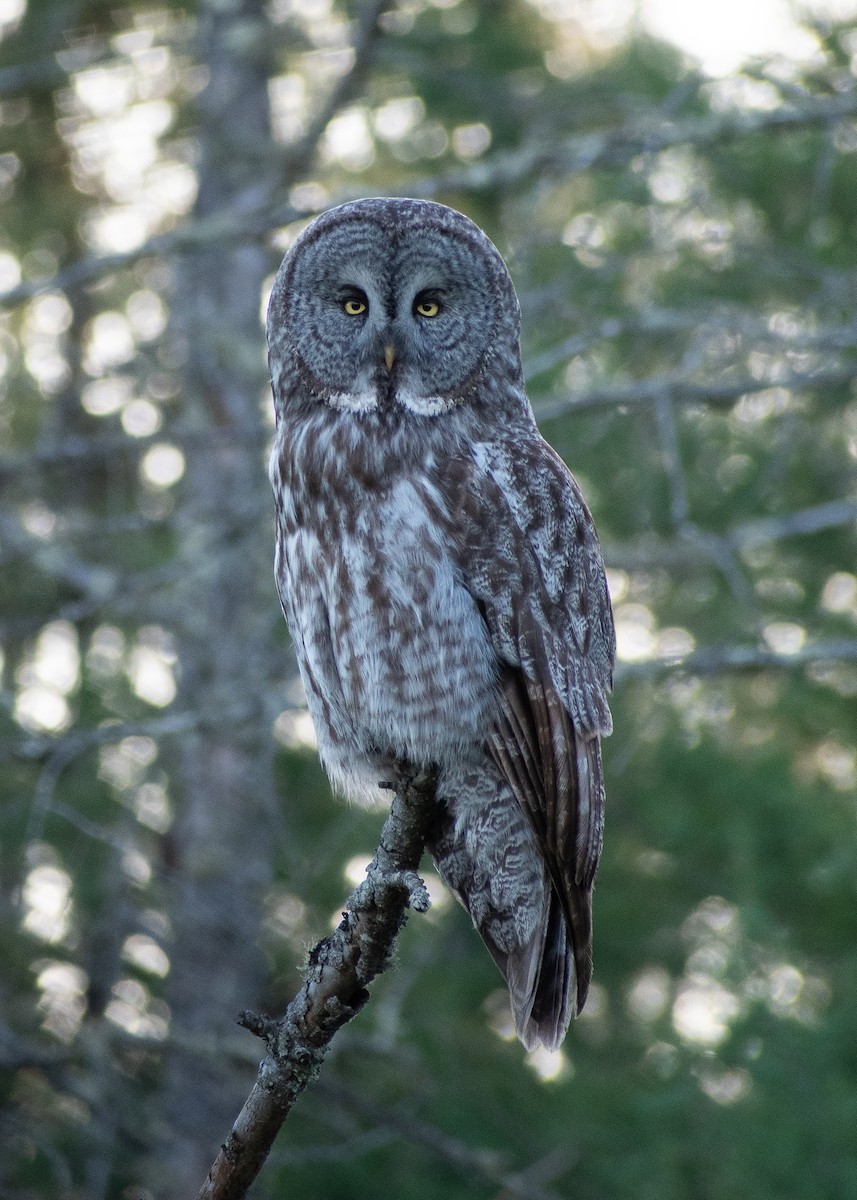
678,205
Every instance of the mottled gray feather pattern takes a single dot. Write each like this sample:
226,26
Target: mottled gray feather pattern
441,576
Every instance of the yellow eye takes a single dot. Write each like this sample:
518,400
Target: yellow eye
354,307
428,308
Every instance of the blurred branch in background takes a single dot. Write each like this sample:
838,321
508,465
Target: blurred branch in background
551,158
682,240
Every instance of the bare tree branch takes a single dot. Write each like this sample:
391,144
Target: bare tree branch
226,227
695,545
656,321
832,515
551,157
690,391
736,657
631,394
615,148
300,156
491,1165
340,969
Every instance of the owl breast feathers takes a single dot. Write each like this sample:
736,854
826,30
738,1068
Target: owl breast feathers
441,576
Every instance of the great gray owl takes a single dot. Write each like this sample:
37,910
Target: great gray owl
441,576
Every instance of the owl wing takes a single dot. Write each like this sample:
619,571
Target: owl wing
529,556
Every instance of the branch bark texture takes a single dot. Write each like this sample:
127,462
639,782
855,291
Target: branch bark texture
336,987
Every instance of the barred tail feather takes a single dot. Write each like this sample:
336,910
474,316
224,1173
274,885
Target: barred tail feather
544,1016
541,978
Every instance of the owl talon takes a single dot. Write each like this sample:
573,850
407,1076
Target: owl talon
418,896
380,885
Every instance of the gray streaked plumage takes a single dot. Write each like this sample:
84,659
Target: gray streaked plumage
441,576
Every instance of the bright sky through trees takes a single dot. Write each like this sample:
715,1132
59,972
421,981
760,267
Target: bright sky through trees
724,34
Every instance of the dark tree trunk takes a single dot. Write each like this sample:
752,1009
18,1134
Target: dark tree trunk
222,835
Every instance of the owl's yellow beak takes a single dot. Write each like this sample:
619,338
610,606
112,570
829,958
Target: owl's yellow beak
389,356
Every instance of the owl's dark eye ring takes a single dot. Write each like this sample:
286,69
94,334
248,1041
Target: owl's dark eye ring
426,308
354,306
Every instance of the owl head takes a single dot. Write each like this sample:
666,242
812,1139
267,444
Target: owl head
392,303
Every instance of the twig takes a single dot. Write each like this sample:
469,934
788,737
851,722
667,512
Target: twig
470,1161
671,454
65,751
340,969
